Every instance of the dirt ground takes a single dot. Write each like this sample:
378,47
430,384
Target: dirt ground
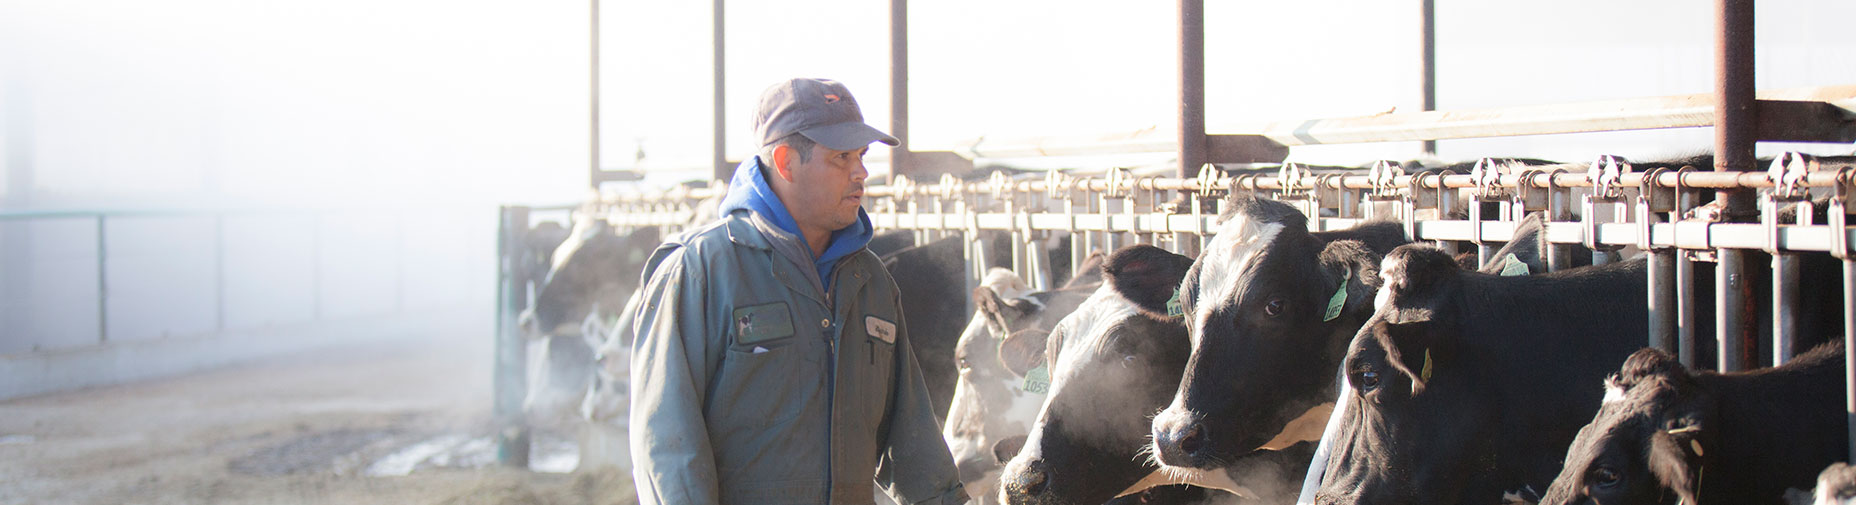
300,429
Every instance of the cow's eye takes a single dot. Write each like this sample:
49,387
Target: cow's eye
1127,361
1274,307
1605,477
1369,380
964,364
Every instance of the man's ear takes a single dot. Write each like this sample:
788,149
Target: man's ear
783,157
1023,350
1148,276
1351,263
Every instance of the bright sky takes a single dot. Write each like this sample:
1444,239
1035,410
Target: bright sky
176,102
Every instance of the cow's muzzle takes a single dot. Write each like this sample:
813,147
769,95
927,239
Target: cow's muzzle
1180,439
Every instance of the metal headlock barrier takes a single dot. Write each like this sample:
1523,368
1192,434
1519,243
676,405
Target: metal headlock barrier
1605,205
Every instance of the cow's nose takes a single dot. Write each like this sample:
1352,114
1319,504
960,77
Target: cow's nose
1029,480
1179,439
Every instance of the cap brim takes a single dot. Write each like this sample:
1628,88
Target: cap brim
848,136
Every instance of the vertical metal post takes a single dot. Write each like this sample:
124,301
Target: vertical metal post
103,282
510,381
1729,283
1785,271
1191,87
1662,300
1734,135
719,87
593,140
1427,63
1685,310
899,85
1849,342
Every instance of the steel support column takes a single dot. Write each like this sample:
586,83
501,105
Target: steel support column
899,85
1191,87
1427,62
719,86
1735,127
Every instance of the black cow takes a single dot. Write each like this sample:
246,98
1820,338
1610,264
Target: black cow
1111,364
1271,307
1460,378
1666,434
932,278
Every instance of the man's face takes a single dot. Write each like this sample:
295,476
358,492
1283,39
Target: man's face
828,189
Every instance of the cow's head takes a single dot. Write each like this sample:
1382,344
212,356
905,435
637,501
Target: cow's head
1648,441
593,271
989,403
1111,365
1416,428
1271,307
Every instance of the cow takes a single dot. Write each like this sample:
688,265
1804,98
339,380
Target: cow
1458,378
991,412
1271,306
1109,364
592,273
1665,432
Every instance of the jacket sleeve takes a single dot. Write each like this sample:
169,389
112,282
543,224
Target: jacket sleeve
915,466
672,462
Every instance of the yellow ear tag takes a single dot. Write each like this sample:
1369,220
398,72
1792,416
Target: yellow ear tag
1037,381
1696,446
1339,301
1173,307
1512,266
1425,375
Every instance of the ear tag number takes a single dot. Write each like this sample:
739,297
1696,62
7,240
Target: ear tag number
1339,301
1038,379
1173,308
1512,266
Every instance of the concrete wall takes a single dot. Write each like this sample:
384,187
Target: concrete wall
148,295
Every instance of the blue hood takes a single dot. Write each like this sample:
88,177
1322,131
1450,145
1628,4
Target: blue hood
749,190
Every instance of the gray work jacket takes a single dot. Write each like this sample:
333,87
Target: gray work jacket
751,384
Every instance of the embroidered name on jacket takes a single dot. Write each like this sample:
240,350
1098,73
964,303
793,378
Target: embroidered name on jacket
760,323
881,329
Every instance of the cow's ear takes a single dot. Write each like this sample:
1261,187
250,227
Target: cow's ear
1023,350
988,304
1148,276
1005,449
1525,248
1352,273
1676,458
1414,281
1089,273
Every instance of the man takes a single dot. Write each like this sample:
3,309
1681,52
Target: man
771,363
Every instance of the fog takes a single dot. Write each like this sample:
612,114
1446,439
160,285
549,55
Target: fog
196,184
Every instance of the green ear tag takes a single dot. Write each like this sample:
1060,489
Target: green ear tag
1038,379
1512,266
1425,375
1173,309
1339,300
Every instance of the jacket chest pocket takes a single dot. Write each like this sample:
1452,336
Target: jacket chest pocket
763,326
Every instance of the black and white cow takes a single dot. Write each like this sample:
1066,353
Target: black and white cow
1111,364
592,274
1666,434
1271,306
992,412
1835,486
1460,379
932,278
